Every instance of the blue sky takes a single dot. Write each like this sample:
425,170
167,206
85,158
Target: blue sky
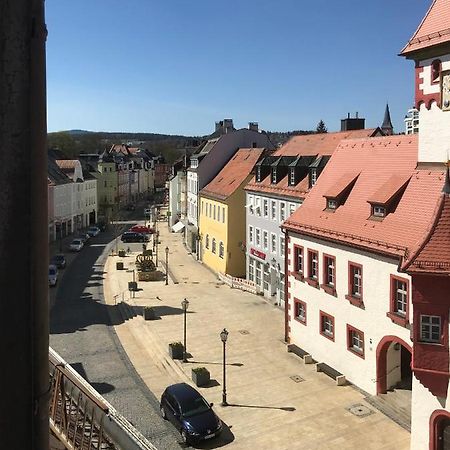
177,66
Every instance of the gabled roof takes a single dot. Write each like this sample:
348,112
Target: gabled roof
341,185
389,189
432,255
377,160
55,175
433,30
319,146
228,180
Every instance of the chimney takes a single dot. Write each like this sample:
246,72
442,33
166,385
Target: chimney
350,123
227,125
253,126
219,125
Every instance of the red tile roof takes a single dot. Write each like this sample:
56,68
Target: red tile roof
235,172
341,184
388,190
433,30
433,253
377,160
322,144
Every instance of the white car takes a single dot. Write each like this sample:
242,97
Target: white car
52,275
93,231
76,245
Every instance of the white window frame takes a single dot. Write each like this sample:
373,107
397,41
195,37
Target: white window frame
401,297
291,176
356,341
282,246
282,211
258,237
266,208
292,208
251,269
378,211
251,234
313,177
265,240
273,210
273,243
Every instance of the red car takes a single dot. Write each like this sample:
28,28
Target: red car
141,229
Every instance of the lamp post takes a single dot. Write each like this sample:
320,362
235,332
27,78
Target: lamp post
184,305
223,338
157,242
167,266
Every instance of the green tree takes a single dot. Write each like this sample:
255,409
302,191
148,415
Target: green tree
321,127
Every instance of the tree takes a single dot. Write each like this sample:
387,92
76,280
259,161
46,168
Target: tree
321,127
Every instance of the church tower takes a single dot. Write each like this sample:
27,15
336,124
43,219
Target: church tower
429,47
387,127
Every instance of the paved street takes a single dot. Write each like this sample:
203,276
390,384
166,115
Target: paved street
82,332
277,402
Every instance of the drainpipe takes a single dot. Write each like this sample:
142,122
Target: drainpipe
23,187
286,290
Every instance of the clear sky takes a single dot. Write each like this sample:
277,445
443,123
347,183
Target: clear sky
177,66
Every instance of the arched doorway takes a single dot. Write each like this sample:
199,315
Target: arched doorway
393,364
440,430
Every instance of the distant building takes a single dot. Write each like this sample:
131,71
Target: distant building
386,127
412,121
208,162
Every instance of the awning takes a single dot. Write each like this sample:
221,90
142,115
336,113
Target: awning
178,227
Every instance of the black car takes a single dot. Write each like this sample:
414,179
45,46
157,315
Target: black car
130,236
59,261
191,414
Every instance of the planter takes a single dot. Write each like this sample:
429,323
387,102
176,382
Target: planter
148,276
122,253
119,265
200,376
176,350
132,286
147,253
149,313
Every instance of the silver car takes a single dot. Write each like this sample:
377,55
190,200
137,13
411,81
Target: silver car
52,275
76,245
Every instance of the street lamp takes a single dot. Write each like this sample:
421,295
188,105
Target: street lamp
167,266
184,305
157,242
223,338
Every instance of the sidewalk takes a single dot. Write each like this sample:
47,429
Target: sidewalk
276,401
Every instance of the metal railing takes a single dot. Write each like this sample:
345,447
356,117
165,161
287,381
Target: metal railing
81,419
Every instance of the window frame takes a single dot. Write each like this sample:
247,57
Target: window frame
303,320
393,313
282,211
312,280
324,315
354,299
379,211
273,209
207,241
251,234
299,274
258,236
265,208
214,245
423,340
221,249
436,78
265,240
282,244
292,176
350,330
326,286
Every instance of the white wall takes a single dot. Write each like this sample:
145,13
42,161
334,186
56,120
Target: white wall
372,320
192,196
434,136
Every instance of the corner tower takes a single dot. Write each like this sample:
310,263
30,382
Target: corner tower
429,47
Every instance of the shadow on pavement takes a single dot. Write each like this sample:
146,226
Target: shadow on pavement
168,311
225,438
101,388
281,408
216,363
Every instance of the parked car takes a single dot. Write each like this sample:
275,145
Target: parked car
93,231
76,245
130,236
59,261
190,413
52,275
142,229
84,237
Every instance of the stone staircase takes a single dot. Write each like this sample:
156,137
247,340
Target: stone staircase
395,404
126,311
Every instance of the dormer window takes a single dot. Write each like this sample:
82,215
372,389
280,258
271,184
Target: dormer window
436,71
313,177
292,177
378,211
274,175
258,174
331,203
